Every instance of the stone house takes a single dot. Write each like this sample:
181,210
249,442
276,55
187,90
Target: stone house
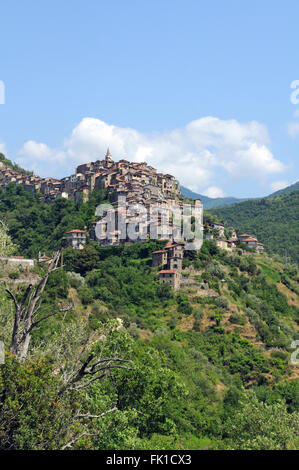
251,242
159,258
76,239
219,227
171,277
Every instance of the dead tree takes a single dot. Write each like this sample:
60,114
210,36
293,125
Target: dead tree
94,369
26,312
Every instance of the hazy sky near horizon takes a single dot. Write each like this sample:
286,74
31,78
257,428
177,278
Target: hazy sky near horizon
198,89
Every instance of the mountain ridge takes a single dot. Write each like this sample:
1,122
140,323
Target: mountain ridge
213,203
208,202
289,189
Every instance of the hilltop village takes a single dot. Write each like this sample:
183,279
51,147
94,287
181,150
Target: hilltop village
141,188
140,182
146,196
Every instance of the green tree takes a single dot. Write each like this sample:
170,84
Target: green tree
261,426
7,247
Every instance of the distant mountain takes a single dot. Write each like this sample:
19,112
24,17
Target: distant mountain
288,189
208,202
274,220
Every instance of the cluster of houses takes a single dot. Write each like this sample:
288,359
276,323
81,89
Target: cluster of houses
138,182
251,242
128,224
141,188
171,257
125,223
141,202
30,183
216,231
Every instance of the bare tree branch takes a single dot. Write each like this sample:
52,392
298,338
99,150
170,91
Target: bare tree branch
27,309
76,439
88,415
11,295
61,310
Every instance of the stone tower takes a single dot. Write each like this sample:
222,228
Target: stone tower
108,159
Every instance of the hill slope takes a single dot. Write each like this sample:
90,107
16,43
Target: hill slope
273,220
210,365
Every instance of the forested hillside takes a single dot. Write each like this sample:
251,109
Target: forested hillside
38,226
275,221
118,361
208,367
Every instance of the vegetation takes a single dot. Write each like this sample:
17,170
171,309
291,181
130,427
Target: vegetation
273,220
117,361
161,384
38,226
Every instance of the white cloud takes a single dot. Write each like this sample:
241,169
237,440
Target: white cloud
213,192
194,153
277,185
43,160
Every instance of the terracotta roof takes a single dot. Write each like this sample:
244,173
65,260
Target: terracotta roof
76,231
159,251
167,271
250,239
173,245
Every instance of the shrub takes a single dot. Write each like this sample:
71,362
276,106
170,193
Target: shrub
222,302
14,275
85,295
133,330
237,319
75,279
164,291
184,305
215,270
198,316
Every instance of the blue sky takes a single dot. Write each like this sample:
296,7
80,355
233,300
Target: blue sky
200,89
